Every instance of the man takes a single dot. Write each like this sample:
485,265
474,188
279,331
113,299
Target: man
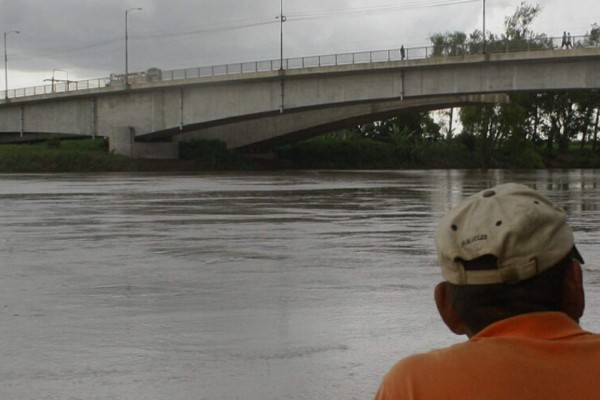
513,285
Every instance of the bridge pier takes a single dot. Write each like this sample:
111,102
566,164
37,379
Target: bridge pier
122,141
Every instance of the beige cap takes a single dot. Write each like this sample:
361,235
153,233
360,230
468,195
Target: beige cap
520,227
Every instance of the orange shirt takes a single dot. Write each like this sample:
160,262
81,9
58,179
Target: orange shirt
537,356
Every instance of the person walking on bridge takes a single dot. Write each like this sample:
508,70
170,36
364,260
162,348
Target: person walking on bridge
513,285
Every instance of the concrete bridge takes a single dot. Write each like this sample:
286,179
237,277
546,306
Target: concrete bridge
261,107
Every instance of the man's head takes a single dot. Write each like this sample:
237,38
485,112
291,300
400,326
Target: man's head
506,251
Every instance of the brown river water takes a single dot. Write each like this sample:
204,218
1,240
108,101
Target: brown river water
300,285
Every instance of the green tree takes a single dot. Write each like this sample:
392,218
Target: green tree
518,34
593,36
481,123
518,25
408,127
553,119
520,121
449,44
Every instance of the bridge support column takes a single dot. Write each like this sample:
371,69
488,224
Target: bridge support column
122,141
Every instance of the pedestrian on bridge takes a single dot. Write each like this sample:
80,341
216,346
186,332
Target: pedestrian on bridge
564,41
402,52
513,285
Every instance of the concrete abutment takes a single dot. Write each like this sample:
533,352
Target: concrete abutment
121,141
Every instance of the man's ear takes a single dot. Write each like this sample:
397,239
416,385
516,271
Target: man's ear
447,311
573,303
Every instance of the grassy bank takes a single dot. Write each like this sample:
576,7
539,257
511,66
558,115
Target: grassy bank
327,152
461,153
92,155
89,155
62,156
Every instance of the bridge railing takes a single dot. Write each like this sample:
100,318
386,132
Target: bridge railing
365,57
58,88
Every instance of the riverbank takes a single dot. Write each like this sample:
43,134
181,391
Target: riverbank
89,155
92,155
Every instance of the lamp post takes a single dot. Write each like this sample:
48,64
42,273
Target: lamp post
6,65
281,21
484,40
127,46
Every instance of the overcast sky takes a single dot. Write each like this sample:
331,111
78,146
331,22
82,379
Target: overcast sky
83,39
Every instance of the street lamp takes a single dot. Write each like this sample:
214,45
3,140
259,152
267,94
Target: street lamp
6,65
127,46
484,27
281,21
